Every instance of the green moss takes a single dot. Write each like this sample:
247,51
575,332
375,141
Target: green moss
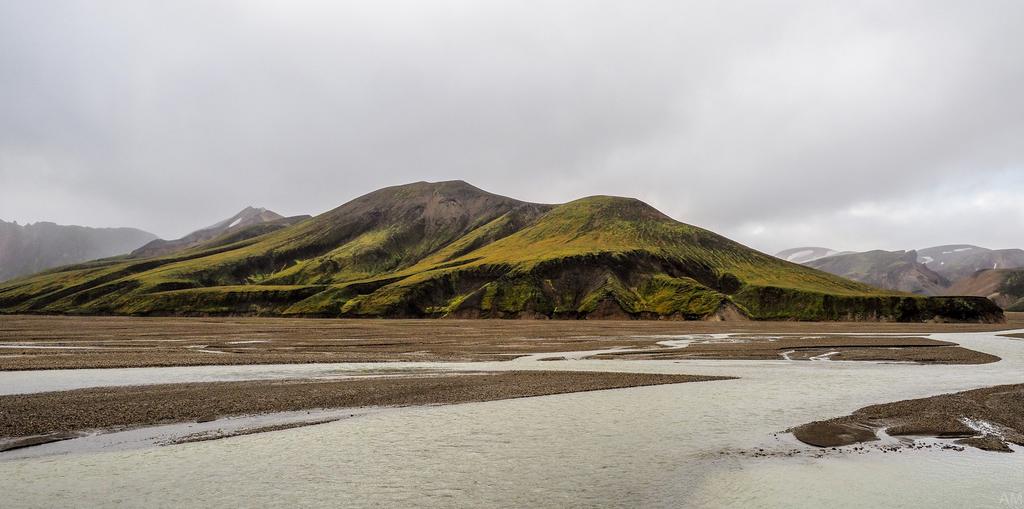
666,296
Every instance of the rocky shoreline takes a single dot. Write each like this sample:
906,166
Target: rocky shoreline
991,419
831,348
64,413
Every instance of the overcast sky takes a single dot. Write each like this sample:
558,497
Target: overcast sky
853,125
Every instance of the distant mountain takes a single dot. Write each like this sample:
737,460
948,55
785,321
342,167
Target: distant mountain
449,249
941,270
807,254
1003,286
892,270
959,261
250,222
39,246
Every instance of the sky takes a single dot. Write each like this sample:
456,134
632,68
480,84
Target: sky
853,125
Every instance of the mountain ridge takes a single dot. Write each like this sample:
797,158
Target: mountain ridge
254,221
957,261
449,249
952,269
34,247
894,270
803,255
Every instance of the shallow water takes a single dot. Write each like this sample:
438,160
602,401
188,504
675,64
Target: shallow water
668,446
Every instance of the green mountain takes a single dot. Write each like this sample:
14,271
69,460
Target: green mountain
449,249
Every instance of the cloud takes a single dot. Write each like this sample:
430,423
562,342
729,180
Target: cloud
985,212
799,122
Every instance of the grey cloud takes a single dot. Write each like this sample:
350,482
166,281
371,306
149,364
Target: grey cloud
766,122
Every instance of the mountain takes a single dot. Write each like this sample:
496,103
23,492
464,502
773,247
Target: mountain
959,261
27,249
250,222
940,270
449,249
892,270
806,254
1003,286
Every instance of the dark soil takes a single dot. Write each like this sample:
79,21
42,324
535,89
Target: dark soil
139,342
849,348
938,416
118,407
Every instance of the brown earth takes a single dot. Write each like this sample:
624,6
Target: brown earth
66,412
989,283
137,342
849,348
939,416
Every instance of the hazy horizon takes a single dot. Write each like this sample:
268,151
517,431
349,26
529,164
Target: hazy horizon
231,212
854,127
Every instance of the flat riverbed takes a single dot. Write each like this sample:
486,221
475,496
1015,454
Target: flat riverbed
710,444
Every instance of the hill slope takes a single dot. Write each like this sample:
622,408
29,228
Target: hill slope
960,261
450,249
250,222
893,270
34,247
940,270
1003,286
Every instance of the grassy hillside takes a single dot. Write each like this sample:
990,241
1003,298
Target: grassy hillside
450,249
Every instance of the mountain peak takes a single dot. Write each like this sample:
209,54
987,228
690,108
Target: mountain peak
245,218
895,270
425,188
958,261
803,255
431,249
604,207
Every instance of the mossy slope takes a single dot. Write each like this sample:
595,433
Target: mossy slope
450,249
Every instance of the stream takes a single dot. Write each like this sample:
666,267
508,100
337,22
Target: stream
710,444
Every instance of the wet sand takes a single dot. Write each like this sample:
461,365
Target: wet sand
65,342
839,348
65,412
989,418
